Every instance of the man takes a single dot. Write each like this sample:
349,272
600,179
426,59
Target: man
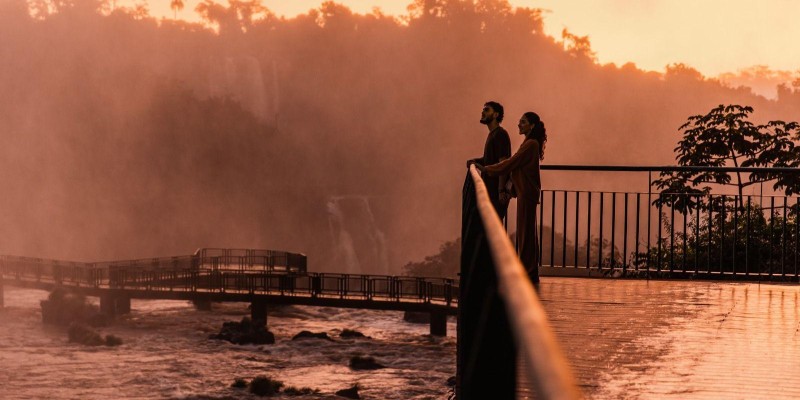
496,149
486,351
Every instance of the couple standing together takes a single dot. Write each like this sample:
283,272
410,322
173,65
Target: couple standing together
517,175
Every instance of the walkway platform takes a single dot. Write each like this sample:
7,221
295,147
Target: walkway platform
639,339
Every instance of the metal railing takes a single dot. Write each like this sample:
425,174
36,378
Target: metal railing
546,366
252,259
629,233
261,272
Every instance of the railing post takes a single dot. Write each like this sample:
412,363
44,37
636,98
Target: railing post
448,291
316,285
438,323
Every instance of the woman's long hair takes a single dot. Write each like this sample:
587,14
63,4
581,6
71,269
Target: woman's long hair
538,131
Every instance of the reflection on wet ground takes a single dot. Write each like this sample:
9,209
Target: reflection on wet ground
637,339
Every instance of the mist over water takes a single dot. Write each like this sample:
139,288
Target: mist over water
128,137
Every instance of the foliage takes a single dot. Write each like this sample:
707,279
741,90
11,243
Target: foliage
447,262
577,46
727,238
444,264
725,136
176,5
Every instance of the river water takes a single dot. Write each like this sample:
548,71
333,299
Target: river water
625,339
167,354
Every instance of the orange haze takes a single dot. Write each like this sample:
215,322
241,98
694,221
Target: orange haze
338,134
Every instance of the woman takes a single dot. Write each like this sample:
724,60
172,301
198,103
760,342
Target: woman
524,169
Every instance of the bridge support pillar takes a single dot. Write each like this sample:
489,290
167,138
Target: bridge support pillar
112,305
107,305
258,311
123,305
202,305
438,324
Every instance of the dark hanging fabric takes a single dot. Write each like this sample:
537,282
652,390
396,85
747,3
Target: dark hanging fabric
486,353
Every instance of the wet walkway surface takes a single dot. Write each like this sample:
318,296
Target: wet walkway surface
637,339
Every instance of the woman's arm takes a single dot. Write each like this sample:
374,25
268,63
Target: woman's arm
529,151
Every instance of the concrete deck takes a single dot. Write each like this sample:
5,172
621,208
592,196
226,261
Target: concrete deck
638,339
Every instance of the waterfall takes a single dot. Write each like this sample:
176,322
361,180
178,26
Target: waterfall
345,258
241,79
359,246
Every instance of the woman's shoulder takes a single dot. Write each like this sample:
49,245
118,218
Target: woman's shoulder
530,143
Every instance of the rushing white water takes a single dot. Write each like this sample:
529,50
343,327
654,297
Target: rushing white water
167,354
241,79
359,244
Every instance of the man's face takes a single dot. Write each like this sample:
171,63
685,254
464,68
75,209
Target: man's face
488,115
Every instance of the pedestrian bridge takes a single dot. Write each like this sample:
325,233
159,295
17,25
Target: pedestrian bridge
260,277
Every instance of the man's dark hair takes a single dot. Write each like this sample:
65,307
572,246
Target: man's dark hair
497,107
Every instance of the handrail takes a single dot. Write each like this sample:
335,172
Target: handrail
190,278
665,168
548,369
241,258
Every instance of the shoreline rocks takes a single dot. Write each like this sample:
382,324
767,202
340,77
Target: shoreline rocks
82,334
244,332
364,363
310,335
349,333
350,393
63,307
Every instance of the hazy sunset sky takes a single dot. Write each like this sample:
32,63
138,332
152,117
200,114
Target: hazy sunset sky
713,36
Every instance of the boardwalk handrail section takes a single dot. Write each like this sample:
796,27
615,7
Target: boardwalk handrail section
751,237
547,368
230,271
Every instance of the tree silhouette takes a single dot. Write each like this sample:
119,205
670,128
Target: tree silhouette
239,16
723,137
176,5
577,46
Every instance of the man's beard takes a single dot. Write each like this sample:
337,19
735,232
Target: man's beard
486,121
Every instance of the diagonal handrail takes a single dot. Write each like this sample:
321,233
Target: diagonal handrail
547,368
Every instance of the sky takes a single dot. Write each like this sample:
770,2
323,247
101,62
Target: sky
712,36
